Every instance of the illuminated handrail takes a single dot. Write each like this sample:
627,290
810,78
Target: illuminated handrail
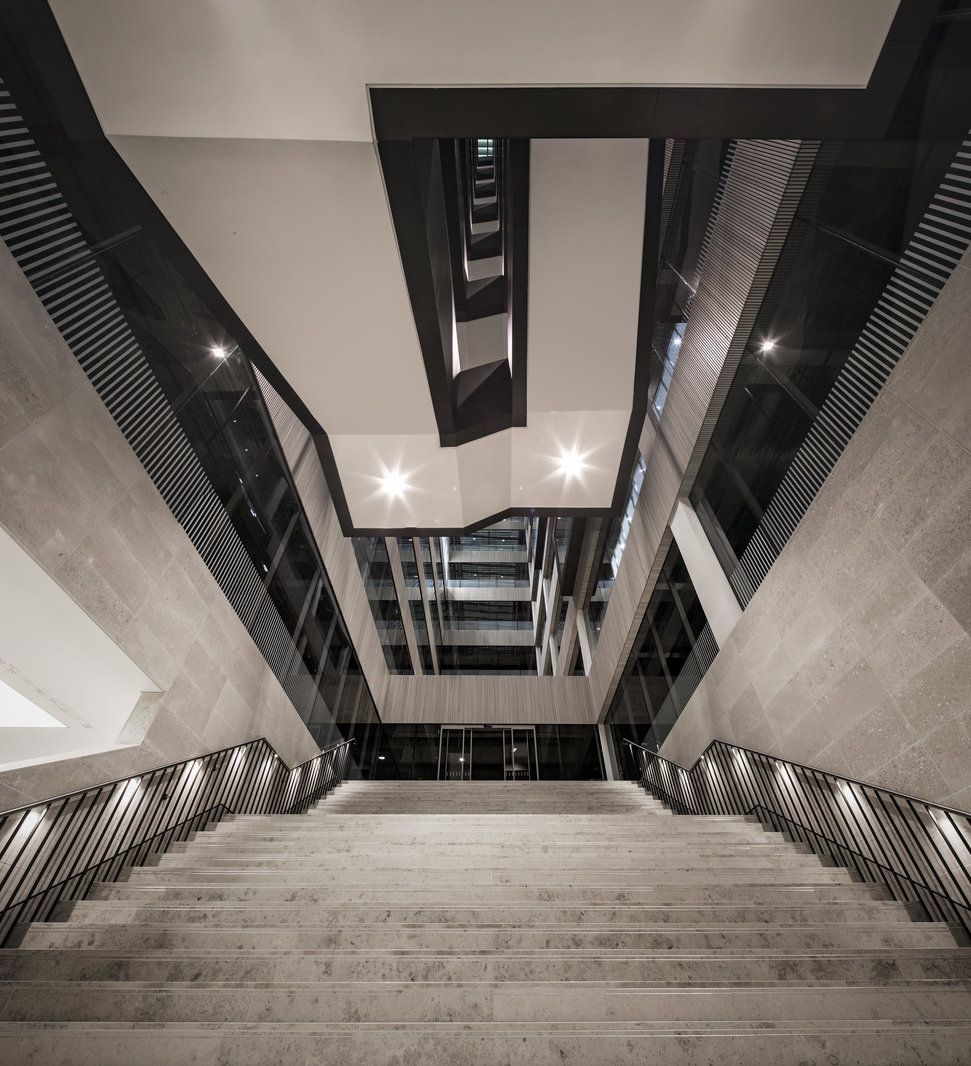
921,851
54,850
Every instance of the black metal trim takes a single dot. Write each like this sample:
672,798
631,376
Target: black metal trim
405,165
422,184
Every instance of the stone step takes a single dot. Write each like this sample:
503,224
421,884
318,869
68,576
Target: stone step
664,819
490,807
515,791
401,808
219,914
105,1001
819,1042
436,937
376,859
587,848
550,876
659,820
515,797
360,784
449,854
347,841
546,784
325,809
665,968
390,864
612,825
512,792
591,790
494,804
668,894
457,809
448,934
356,835
518,804
609,823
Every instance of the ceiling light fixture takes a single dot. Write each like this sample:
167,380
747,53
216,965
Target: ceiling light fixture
394,484
767,346
571,464
219,353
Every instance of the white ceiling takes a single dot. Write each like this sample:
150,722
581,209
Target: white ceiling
53,655
248,123
297,69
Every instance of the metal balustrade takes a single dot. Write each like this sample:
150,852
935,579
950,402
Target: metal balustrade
920,851
53,851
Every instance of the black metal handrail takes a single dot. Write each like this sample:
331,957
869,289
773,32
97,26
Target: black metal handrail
52,851
921,851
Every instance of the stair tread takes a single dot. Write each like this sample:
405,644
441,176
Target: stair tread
607,932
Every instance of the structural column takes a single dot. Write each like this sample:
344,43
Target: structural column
712,586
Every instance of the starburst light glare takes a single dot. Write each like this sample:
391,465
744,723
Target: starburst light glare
393,483
571,464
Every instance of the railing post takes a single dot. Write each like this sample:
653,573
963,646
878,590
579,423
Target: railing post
54,850
917,849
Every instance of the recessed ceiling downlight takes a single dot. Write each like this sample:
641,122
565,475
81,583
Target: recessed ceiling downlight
571,464
394,484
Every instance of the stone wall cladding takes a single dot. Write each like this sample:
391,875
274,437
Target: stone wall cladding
854,655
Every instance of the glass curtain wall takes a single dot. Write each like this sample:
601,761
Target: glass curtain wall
413,591
673,649
859,213
563,753
488,659
489,609
375,567
478,586
613,549
695,179
475,583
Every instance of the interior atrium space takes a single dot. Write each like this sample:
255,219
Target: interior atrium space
490,403
419,394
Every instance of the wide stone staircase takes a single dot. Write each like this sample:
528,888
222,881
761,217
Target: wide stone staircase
426,922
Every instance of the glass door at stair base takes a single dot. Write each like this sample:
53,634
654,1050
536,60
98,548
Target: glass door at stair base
519,745
488,754
454,755
481,753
